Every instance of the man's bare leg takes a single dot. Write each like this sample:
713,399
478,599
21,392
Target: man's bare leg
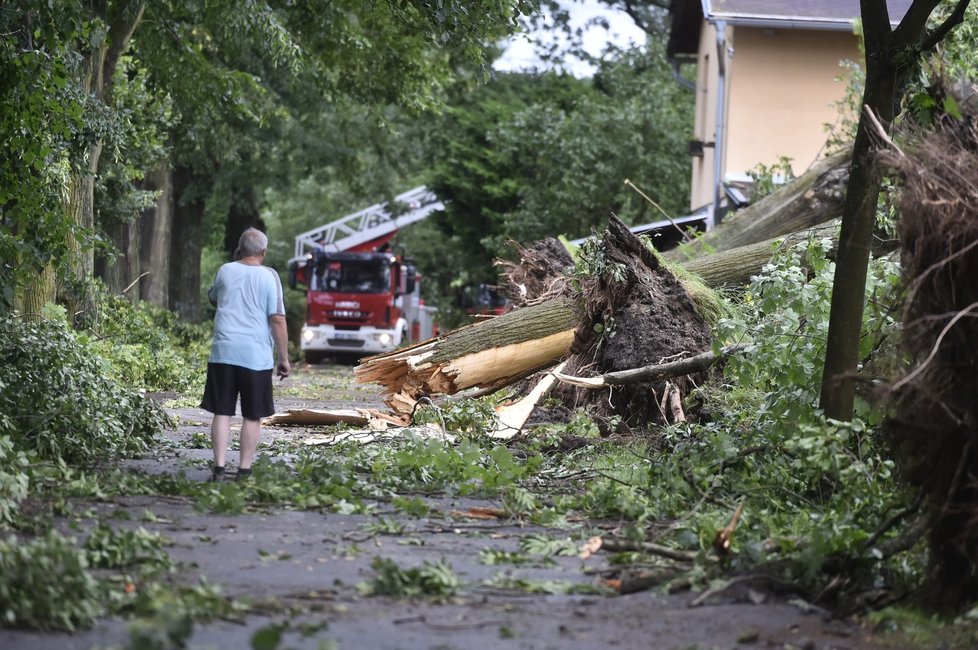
220,435
250,430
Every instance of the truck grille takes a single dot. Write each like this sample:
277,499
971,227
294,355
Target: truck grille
347,314
345,343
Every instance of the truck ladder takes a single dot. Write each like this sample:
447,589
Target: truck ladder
368,224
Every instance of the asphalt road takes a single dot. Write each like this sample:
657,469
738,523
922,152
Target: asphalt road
316,560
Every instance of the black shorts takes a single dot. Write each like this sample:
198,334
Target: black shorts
225,382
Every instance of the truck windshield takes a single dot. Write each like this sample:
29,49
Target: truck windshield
357,276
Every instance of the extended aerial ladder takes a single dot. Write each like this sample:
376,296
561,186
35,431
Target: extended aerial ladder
365,230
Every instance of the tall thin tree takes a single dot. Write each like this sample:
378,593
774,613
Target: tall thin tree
892,57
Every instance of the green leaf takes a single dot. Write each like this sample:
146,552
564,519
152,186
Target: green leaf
267,638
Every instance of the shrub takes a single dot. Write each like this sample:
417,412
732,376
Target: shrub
60,401
14,478
148,347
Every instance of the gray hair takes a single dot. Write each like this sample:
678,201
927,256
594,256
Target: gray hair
253,242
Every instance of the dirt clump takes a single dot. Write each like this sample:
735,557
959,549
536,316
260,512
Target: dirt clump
635,312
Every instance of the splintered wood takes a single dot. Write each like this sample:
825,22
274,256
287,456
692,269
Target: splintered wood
485,355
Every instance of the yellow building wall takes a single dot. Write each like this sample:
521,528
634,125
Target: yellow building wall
782,94
781,91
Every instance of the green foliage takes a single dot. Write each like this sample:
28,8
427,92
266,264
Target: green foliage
14,476
436,580
842,133
41,113
767,178
59,401
111,548
149,348
536,155
957,52
784,320
470,417
45,584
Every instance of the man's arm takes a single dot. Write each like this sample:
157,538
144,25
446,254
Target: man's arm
280,334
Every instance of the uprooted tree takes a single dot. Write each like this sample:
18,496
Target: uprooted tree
630,312
933,425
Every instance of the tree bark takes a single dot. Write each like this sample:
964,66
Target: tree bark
185,246
38,292
155,225
243,214
121,270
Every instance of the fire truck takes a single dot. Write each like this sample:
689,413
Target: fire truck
361,297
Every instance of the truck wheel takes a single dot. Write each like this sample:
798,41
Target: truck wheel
314,357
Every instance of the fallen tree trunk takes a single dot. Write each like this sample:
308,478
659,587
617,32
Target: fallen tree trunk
486,354
738,266
811,199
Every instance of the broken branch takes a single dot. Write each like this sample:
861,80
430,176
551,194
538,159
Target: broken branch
657,372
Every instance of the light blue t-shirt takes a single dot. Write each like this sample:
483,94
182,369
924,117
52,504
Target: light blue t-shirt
246,296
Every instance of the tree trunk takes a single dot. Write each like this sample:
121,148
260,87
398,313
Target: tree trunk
155,224
811,199
185,246
738,266
38,292
120,271
487,354
80,207
243,214
891,58
98,67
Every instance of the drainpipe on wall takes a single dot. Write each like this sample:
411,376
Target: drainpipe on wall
718,147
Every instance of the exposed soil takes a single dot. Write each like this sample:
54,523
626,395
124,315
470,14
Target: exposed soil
636,314
316,560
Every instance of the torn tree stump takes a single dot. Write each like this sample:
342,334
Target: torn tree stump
487,354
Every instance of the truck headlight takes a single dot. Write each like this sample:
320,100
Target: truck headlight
308,335
385,338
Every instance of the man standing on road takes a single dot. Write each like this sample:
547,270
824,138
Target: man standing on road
250,318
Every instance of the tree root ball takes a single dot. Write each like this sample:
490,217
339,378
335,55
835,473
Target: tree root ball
934,426
635,314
